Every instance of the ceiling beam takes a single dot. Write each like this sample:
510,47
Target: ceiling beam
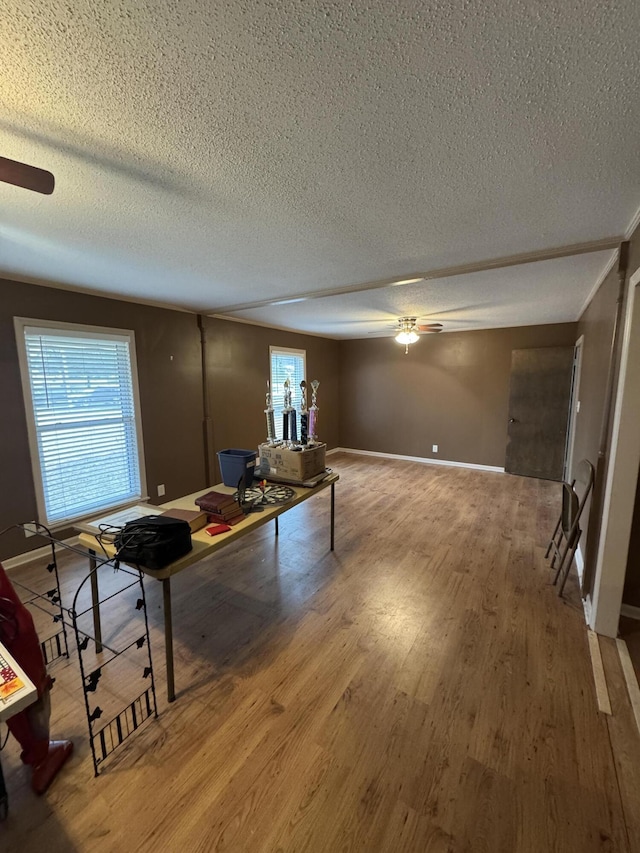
443,272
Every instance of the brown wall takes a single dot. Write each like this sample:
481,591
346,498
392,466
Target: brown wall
632,582
238,368
596,324
170,376
631,593
170,394
451,390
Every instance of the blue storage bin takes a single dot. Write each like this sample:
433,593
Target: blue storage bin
236,463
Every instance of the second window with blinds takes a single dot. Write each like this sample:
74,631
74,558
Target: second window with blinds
286,364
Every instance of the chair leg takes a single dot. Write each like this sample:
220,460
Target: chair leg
552,541
560,564
572,554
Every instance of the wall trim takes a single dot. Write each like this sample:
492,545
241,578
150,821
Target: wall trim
596,287
630,610
633,225
37,554
424,460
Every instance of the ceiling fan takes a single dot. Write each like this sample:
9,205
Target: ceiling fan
409,330
27,177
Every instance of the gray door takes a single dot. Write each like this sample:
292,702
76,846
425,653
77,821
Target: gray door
538,411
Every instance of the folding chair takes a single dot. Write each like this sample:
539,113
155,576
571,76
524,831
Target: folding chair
566,536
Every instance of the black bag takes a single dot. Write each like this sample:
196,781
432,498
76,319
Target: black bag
153,541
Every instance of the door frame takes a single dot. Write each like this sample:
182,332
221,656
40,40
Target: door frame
622,477
574,407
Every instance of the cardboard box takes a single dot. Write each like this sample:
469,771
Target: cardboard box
297,465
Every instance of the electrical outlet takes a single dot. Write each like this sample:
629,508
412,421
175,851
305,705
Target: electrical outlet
30,532
434,448
161,490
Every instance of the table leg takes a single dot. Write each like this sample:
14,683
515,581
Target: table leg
333,511
95,601
168,638
277,528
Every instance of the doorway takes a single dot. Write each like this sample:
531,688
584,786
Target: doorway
539,395
574,407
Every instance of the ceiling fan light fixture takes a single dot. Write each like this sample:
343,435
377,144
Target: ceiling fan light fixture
407,337
407,333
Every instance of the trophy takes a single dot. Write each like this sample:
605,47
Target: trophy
285,410
271,424
289,421
313,412
304,417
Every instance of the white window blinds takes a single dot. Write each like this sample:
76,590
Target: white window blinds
286,363
84,420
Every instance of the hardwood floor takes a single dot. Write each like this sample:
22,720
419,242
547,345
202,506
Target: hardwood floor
420,689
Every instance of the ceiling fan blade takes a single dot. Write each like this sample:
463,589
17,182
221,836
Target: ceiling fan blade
27,177
431,327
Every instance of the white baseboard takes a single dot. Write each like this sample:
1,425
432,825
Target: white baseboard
422,459
630,610
37,554
586,604
579,557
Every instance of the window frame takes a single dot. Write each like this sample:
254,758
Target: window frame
83,331
302,353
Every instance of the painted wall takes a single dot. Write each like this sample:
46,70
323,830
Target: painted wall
170,376
450,389
631,594
238,368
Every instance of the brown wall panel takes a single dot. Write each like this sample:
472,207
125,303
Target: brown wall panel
170,378
238,369
631,593
450,389
169,369
596,324
632,583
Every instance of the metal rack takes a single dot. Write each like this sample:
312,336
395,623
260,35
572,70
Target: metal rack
98,659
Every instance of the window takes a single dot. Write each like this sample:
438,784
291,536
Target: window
291,364
81,399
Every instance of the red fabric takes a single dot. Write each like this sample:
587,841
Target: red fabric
31,726
25,646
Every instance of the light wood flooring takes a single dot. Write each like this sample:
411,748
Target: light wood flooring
420,689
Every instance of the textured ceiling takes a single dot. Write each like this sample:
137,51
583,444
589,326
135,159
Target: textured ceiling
213,153
545,292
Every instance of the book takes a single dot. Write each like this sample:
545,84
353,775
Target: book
215,501
233,512
196,519
214,517
216,529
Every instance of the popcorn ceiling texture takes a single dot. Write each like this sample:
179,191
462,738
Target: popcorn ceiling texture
211,153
